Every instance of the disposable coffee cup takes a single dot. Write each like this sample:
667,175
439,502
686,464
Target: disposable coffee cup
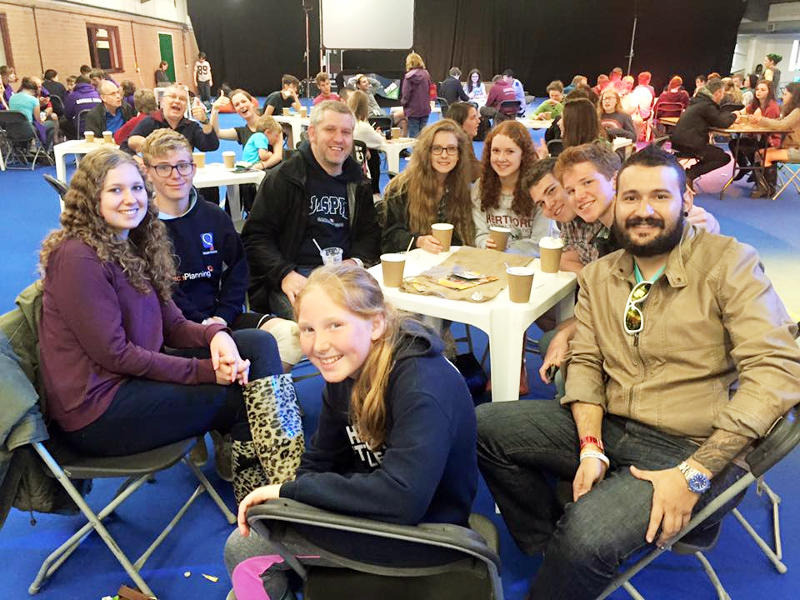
444,233
88,136
199,159
550,249
520,280
396,133
331,256
304,112
393,265
229,158
286,112
500,237
108,137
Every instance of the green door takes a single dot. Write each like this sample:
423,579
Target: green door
165,45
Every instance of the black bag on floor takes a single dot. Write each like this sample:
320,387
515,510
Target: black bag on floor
473,374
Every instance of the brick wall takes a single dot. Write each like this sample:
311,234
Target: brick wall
62,42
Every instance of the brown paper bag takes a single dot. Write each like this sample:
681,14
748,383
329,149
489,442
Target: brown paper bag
486,263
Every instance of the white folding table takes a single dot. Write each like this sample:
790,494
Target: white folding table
504,321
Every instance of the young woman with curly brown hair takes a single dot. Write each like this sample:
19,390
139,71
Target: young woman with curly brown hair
434,188
108,317
499,199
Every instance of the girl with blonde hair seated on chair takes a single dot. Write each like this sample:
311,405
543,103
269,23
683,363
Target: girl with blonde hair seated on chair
395,441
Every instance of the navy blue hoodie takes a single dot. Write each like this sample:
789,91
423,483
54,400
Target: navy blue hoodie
427,469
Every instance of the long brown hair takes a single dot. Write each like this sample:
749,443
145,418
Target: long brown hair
490,182
145,256
355,290
418,183
581,123
794,90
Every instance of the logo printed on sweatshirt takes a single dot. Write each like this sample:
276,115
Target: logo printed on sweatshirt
372,458
207,239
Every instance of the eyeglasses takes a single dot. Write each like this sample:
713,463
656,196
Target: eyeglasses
451,150
633,318
165,170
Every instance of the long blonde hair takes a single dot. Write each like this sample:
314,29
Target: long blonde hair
145,256
355,290
419,183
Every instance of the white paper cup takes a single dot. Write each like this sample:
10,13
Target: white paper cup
331,256
444,233
88,136
550,249
520,280
108,137
393,266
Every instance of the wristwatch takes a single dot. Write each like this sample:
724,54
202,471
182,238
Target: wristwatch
697,481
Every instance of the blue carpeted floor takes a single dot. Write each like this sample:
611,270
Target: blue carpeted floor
29,209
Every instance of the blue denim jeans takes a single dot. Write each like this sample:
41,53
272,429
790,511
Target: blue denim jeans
415,125
524,446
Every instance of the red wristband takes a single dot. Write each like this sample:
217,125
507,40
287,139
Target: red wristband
590,439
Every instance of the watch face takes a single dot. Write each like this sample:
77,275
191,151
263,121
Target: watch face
699,483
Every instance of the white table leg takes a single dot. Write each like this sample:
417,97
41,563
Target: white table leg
61,167
506,357
2,161
393,158
235,204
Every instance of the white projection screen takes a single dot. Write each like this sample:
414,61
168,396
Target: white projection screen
367,24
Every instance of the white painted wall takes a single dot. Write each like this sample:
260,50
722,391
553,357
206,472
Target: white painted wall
168,10
751,49
784,11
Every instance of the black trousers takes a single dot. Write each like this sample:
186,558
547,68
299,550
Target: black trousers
146,414
710,158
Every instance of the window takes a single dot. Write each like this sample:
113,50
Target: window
5,42
104,47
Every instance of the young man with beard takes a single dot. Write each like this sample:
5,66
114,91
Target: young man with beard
652,417
587,175
317,198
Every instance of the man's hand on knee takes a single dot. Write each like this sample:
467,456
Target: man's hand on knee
590,471
672,503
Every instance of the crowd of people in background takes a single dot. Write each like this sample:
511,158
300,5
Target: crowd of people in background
128,246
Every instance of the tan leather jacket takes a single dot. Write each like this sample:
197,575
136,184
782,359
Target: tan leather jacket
717,348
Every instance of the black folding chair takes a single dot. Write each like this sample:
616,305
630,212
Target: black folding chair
22,141
782,438
444,104
138,469
473,574
59,186
555,147
382,123
79,122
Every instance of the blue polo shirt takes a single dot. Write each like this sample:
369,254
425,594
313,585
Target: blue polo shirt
115,121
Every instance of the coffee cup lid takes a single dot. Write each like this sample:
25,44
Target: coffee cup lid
520,270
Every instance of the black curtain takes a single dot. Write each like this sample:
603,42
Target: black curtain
250,43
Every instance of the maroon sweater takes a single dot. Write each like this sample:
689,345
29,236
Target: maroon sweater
97,331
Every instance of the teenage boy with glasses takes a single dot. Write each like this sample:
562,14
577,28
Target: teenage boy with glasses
655,410
212,276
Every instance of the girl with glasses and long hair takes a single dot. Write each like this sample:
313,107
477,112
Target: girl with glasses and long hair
613,118
434,188
395,442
